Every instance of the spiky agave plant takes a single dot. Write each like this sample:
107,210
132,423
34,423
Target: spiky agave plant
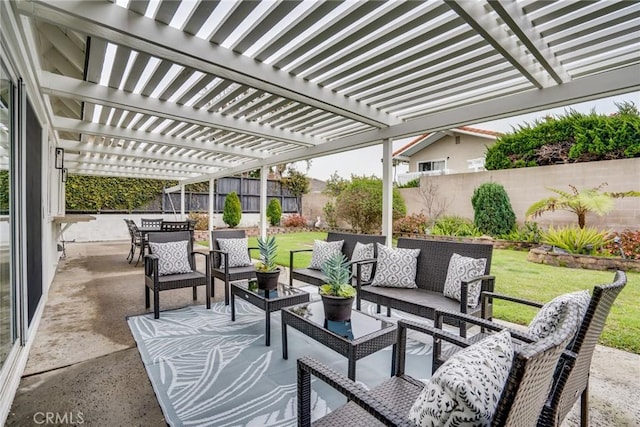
268,249
338,273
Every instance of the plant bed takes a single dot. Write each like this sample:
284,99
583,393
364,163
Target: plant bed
589,262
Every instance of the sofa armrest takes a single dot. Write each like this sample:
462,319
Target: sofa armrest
353,391
151,265
487,284
225,257
486,324
207,260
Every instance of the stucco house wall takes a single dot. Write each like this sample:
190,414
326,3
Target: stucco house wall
456,154
528,185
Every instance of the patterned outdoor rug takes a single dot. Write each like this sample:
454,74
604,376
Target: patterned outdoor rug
209,371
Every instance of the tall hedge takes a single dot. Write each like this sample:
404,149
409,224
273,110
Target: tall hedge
573,137
232,210
493,214
274,212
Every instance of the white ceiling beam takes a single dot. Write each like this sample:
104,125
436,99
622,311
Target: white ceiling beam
474,14
80,126
126,28
86,147
522,27
64,45
610,83
66,87
75,159
82,169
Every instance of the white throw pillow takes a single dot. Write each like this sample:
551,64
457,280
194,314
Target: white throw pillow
464,268
360,252
322,251
238,250
173,257
547,319
466,389
396,268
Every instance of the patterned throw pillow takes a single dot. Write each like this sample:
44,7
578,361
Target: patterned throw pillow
360,252
173,257
396,268
322,251
238,251
464,268
546,320
466,389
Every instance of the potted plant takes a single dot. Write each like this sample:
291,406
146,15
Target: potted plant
337,294
267,272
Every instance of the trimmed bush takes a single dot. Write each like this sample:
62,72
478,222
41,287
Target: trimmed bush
493,214
201,218
414,223
232,212
294,220
274,212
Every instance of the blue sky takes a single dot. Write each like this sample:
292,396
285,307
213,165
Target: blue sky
366,161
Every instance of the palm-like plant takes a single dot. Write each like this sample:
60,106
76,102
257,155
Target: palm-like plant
268,250
338,273
579,202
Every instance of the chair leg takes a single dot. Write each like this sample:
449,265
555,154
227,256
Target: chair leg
130,255
388,311
584,406
304,397
378,308
208,288
147,299
156,303
226,291
195,293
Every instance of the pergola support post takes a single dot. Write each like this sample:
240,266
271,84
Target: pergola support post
387,190
263,201
211,205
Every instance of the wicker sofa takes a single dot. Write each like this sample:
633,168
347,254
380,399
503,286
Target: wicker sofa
316,277
433,263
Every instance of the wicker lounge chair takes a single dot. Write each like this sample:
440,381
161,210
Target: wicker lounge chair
433,263
389,403
220,265
316,277
156,283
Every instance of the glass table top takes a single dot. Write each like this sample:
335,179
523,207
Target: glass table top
282,291
358,326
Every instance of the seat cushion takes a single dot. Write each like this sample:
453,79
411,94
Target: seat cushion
237,250
466,389
361,252
396,267
548,317
417,296
173,257
462,268
322,251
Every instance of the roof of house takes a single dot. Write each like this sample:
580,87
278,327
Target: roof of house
427,139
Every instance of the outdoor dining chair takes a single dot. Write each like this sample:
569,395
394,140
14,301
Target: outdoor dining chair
222,268
175,226
171,264
571,379
136,239
390,403
151,223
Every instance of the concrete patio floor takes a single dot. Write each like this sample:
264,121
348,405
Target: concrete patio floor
85,368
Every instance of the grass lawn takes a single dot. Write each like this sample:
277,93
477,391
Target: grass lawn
518,277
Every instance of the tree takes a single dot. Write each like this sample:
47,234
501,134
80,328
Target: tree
360,204
493,214
579,202
274,212
297,183
232,212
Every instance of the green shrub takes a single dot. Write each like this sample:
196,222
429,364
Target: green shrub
529,232
330,214
414,183
454,226
274,212
414,223
576,240
232,212
493,214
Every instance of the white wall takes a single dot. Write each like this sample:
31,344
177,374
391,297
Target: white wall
112,226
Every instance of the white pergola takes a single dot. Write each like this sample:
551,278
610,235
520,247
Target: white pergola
198,90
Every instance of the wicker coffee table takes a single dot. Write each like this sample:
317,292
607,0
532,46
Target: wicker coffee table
361,336
269,301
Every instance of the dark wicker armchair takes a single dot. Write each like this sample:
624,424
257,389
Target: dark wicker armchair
156,283
220,264
571,379
389,403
